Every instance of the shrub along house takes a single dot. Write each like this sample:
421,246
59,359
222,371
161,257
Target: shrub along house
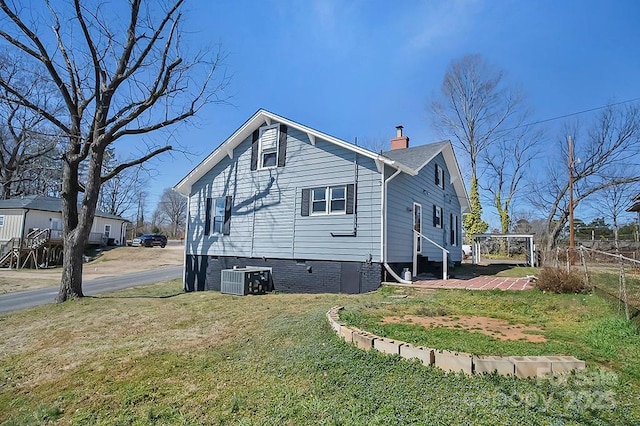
324,214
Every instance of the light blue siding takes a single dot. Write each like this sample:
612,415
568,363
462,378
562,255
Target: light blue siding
403,191
266,217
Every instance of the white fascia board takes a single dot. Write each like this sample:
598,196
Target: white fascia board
263,116
458,183
455,175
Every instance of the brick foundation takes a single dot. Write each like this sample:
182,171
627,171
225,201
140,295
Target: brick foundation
292,276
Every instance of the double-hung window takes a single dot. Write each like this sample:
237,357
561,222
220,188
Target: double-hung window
268,147
329,200
439,176
218,216
338,199
437,216
453,226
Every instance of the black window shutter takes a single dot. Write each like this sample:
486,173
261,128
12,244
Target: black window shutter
457,231
254,149
351,198
304,206
436,179
207,217
435,223
226,226
282,146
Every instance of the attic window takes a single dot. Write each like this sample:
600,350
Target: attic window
268,148
439,176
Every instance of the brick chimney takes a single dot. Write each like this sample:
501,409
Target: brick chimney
399,142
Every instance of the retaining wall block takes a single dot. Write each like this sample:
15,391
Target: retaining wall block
563,364
387,346
364,340
423,354
488,364
531,366
454,361
346,333
336,326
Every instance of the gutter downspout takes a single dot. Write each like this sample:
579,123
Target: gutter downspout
384,227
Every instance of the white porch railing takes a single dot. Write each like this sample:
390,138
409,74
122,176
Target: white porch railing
445,253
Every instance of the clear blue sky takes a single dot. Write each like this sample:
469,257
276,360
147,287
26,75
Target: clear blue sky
359,68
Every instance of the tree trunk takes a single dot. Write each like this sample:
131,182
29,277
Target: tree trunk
71,283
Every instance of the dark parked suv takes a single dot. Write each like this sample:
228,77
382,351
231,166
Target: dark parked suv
149,240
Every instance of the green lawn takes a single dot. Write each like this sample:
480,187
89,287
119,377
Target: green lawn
140,357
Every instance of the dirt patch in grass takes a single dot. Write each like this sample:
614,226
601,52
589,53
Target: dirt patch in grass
496,328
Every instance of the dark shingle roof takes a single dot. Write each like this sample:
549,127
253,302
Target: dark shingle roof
47,204
416,156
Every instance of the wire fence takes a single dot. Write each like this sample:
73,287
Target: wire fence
612,274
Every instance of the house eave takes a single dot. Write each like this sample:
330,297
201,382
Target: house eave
262,116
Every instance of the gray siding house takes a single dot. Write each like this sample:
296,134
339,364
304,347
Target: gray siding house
324,214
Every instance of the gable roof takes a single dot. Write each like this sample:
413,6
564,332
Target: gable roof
46,204
408,161
419,156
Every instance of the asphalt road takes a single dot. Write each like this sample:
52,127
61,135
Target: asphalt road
41,296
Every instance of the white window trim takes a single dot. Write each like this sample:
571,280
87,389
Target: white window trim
328,192
330,199
107,233
413,226
440,171
439,209
213,215
455,230
260,153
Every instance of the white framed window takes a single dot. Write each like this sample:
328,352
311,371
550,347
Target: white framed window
1,221
107,230
337,200
437,216
417,225
328,200
439,176
319,201
218,214
268,147
453,229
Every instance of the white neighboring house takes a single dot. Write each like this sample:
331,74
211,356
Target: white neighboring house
20,216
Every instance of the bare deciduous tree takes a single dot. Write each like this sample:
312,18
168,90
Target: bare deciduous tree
613,202
114,82
474,108
172,210
23,135
118,195
606,155
507,165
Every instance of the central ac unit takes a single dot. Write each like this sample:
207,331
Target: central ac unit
242,281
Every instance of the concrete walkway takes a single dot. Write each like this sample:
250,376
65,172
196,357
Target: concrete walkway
484,282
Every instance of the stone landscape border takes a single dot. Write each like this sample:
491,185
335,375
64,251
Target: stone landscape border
449,361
